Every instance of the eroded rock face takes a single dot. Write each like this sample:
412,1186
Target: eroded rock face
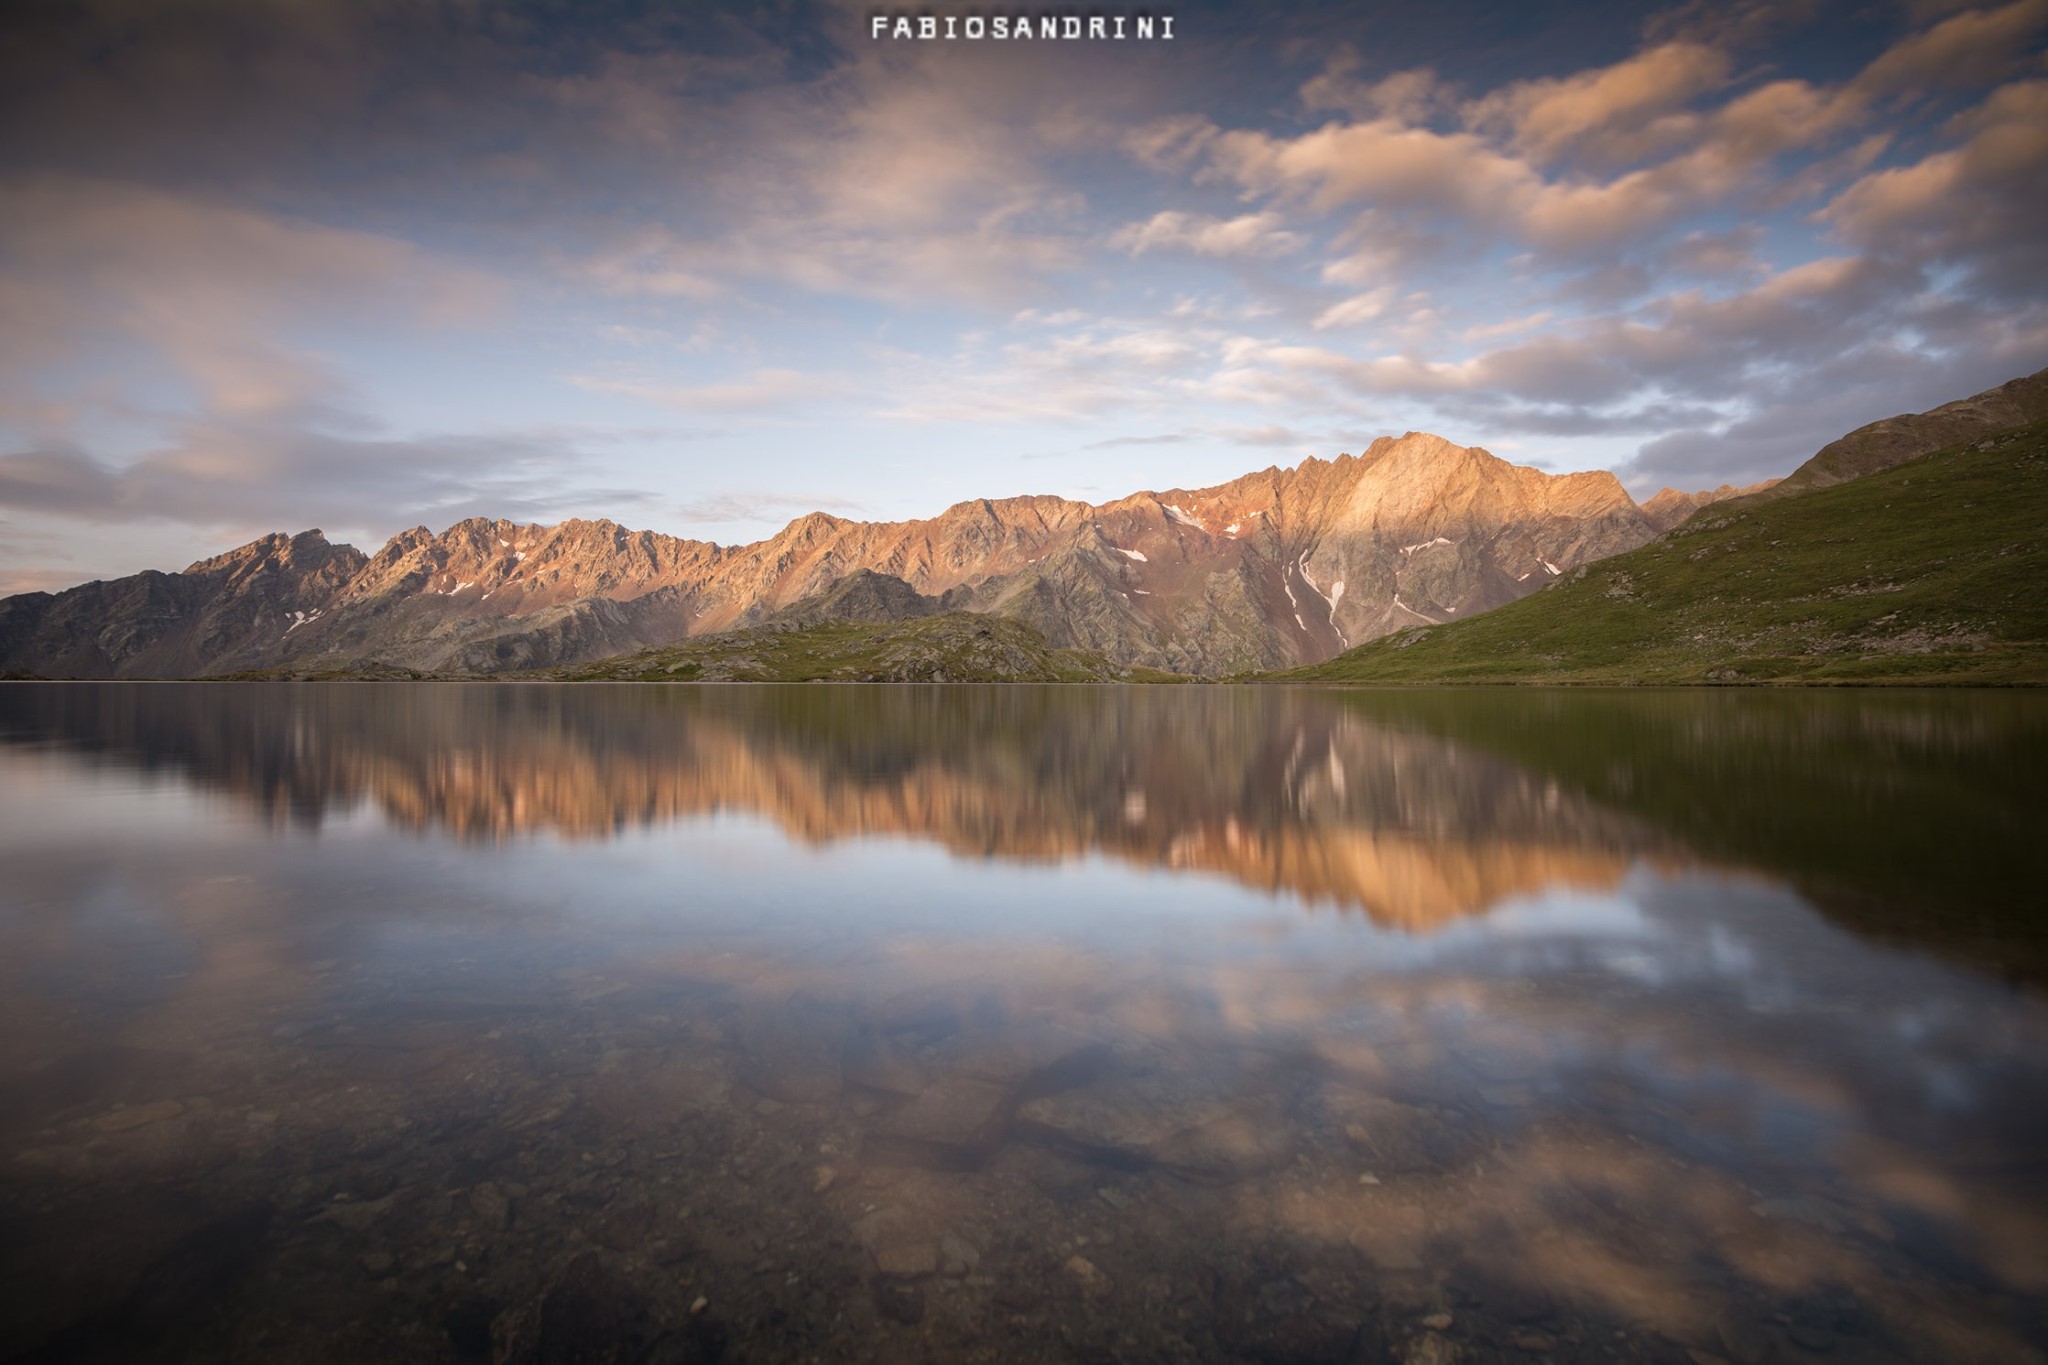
1280,567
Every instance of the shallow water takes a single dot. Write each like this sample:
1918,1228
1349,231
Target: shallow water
443,1022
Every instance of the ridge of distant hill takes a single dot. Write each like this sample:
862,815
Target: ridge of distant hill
1891,441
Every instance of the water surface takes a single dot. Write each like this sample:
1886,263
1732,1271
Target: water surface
445,1022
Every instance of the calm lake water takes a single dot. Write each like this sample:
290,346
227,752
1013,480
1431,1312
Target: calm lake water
616,1024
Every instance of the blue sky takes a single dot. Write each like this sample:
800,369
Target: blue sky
370,265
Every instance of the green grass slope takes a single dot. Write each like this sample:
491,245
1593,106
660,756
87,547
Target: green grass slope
1935,571
957,647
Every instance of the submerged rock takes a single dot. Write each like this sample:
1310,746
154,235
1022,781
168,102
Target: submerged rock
899,1300
1194,1124
591,1314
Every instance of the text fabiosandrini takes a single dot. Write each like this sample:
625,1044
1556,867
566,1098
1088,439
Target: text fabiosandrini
1022,27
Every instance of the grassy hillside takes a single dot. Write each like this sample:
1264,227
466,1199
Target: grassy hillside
1935,571
957,647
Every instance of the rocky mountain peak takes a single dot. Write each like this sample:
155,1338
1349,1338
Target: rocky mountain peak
289,563
812,525
1416,442
1669,507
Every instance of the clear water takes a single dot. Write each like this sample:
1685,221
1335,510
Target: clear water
443,1022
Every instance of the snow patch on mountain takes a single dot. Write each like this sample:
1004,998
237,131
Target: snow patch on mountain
1424,545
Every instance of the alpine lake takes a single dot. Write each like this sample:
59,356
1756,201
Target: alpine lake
667,1023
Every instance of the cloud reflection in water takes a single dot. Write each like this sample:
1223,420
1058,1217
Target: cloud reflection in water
902,971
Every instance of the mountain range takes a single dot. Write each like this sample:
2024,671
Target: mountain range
1277,568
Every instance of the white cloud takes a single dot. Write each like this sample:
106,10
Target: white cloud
1616,112
1981,203
769,508
1111,368
206,289
1506,326
248,475
1410,96
1357,309
1972,50
1250,234
1171,144
762,392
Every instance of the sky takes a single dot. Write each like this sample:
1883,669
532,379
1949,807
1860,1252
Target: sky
371,264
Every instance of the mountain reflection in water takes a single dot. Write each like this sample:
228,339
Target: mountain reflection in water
434,1022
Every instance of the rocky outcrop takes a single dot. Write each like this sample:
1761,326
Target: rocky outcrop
862,595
